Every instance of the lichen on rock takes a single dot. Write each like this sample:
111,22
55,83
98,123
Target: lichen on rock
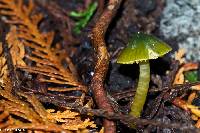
180,21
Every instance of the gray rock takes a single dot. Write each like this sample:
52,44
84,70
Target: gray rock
181,21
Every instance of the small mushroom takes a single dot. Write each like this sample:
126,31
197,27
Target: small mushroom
141,48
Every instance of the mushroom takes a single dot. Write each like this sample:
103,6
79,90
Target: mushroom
141,48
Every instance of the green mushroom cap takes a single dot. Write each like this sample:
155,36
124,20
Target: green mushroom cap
143,47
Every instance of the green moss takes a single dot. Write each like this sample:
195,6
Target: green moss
83,17
191,76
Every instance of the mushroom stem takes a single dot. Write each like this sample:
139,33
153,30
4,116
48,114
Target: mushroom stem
142,89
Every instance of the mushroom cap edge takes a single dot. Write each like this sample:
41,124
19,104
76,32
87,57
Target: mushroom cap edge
143,47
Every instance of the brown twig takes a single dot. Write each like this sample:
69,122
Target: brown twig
130,119
97,83
127,119
100,6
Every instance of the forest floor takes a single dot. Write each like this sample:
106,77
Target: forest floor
59,71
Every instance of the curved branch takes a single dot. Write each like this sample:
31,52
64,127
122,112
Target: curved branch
97,83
